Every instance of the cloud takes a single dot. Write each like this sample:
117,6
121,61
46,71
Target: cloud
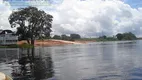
90,18
5,11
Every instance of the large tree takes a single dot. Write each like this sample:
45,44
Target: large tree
75,36
126,36
31,23
56,37
129,36
65,37
119,36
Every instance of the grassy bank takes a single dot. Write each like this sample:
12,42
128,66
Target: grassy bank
9,46
24,45
97,39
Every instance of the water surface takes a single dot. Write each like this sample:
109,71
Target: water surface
95,61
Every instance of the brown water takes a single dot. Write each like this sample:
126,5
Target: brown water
94,61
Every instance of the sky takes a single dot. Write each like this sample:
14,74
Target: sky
89,18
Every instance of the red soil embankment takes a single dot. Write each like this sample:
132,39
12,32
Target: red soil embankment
53,42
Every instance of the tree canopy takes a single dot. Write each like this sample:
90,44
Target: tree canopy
72,37
31,23
119,36
56,37
65,37
126,36
75,36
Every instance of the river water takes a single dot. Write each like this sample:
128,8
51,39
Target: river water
120,60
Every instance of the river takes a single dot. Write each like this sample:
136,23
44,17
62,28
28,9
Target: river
118,60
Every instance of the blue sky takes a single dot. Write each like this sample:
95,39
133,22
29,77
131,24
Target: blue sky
134,3
87,17
22,3
49,4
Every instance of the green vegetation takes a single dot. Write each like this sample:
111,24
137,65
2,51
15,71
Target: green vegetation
119,36
24,45
72,37
101,38
126,36
140,38
65,37
56,37
75,36
105,38
9,46
87,39
32,23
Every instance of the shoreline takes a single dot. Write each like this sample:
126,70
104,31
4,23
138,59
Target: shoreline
54,42
51,42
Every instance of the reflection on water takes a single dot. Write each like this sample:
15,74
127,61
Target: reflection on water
94,61
29,67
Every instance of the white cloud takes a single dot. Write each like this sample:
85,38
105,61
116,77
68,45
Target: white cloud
5,11
92,17
89,17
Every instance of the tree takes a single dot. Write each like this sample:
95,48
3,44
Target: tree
103,37
65,37
56,37
75,36
129,36
119,36
126,36
22,34
31,23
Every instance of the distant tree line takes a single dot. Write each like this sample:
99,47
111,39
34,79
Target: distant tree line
126,36
119,36
106,38
72,37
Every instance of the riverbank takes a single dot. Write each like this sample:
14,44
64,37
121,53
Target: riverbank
53,42
49,42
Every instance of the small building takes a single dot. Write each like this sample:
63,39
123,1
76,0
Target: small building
7,37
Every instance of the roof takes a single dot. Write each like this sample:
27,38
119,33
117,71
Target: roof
5,31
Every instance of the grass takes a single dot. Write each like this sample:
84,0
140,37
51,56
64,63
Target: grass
86,39
97,39
24,45
9,46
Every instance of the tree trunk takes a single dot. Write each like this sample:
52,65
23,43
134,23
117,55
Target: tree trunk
33,48
32,42
28,41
